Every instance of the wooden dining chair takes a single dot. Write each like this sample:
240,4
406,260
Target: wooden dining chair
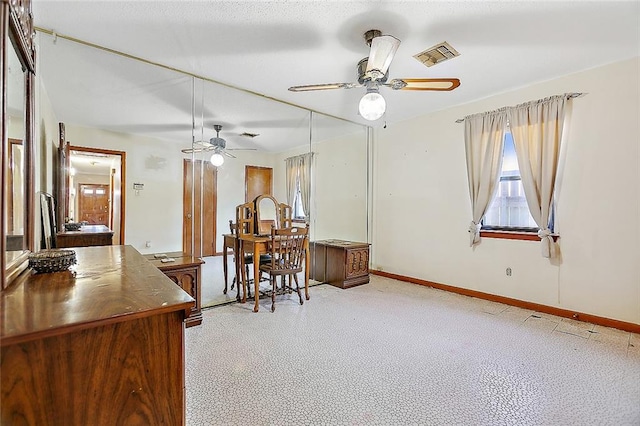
233,228
287,250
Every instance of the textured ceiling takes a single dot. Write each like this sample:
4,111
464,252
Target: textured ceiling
267,46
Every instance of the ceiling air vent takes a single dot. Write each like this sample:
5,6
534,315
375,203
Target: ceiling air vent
436,54
249,135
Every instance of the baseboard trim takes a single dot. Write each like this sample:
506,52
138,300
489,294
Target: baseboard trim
580,316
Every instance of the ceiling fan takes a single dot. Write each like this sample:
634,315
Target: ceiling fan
217,145
373,72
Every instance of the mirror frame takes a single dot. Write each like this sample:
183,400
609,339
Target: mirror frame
258,225
16,28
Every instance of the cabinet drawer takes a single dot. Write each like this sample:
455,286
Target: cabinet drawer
357,263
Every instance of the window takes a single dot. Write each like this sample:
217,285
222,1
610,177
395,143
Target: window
508,211
298,211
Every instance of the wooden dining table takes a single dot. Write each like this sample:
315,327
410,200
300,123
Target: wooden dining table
257,245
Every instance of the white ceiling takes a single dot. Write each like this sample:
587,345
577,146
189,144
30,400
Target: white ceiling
267,46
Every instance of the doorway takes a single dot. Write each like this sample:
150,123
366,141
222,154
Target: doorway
199,206
96,179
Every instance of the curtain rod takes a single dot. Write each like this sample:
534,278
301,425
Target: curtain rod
301,155
568,95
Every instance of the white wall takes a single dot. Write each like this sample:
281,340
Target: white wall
422,209
154,213
45,145
231,187
340,188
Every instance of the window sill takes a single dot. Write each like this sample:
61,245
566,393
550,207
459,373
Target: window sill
513,235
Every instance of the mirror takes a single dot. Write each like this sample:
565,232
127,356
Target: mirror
266,214
154,113
340,180
15,178
48,220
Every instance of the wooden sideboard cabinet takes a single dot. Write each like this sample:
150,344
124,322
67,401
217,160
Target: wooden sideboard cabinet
185,271
340,263
100,345
87,236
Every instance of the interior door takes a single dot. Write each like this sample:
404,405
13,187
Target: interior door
257,181
93,204
199,205
62,177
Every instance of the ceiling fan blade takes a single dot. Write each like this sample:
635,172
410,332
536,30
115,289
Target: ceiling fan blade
437,84
196,150
241,149
383,49
227,154
327,86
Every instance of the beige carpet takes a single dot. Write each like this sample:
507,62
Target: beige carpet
393,353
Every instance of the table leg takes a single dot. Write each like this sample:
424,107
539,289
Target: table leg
256,275
241,270
224,266
307,265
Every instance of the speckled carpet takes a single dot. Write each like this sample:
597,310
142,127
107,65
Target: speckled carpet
394,353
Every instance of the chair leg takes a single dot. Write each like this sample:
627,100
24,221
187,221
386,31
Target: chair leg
273,293
295,278
248,281
290,287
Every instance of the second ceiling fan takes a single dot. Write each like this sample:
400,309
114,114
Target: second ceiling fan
373,72
217,145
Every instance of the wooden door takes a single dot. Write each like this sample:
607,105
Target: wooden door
199,208
62,177
93,203
257,181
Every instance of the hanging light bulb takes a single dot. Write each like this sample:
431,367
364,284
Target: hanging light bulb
372,105
217,159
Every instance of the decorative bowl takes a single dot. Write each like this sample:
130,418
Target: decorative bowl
53,260
72,226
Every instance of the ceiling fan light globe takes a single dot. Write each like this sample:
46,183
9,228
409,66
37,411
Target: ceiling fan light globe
372,106
217,159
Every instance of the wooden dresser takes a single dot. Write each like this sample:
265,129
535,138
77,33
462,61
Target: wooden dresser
87,236
340,263
103,345
185,271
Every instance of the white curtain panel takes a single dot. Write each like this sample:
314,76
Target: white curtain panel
537,133
305,182
291,178
484,141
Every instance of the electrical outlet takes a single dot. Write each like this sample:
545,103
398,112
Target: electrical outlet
508,272
147,244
